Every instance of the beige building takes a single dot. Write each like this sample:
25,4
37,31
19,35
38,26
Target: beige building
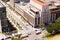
36,11
54,7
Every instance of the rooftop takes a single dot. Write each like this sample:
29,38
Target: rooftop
40,2
52,7
34,8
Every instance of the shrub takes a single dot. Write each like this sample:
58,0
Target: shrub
15,31
58,20
6,33
41,25
15,38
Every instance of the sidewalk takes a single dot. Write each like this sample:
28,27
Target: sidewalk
2,36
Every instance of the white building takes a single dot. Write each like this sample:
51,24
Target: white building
36,11
43,10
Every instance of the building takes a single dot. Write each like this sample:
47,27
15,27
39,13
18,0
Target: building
54,8
12,2
3,18
36,12
43,10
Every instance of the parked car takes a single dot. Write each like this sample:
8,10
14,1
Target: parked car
38,32
24,36
8,37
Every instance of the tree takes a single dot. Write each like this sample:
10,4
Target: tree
41,25
15,38
12,38
55,26
58,20
19,36
15,31
5,1
49,23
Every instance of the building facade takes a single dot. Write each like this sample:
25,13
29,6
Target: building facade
3,18
36,12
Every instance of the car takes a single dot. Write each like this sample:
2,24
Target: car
16,34
37,33
8,37
24,36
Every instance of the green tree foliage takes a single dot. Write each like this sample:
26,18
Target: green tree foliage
15,38
41,25
4,0
55,26
12,38
58,20
6,33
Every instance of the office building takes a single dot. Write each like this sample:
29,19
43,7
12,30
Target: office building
38,11
3,18
35,12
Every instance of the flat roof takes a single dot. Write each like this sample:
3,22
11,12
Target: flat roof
1,5
40,2
35,9
52,7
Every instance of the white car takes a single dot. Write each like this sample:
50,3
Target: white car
24,36
16,34
38,31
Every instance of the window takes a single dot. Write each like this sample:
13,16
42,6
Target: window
37,12
32,10
35,20
38,20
